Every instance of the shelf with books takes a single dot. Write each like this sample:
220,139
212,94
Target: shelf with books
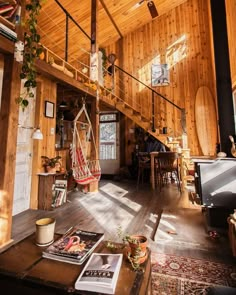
52,190
10,12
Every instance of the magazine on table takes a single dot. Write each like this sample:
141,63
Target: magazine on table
100,273
74,246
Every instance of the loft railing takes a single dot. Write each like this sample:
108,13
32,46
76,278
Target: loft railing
122,85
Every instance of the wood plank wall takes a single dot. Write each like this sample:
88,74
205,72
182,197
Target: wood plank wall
46,91
182,39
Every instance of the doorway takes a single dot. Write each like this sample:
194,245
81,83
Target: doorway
109,143
24,150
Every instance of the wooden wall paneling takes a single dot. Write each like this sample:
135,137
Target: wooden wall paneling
8,137
48,93
46,90
188,73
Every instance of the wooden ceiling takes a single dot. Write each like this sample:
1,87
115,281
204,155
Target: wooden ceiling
115,19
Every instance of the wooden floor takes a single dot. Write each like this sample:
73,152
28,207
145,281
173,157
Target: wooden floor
172,221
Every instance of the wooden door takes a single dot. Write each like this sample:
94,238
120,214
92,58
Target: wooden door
109,143
23,170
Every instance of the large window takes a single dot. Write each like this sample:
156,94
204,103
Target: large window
108,131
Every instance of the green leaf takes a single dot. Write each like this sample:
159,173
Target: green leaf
22,75
24,102
37,38
27,83
28,7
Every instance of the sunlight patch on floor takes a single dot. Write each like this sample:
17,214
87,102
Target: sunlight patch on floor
153,218
106,212
118,193
165,215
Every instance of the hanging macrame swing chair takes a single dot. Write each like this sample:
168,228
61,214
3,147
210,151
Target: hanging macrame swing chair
84,170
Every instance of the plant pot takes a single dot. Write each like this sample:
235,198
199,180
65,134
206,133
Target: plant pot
138,248
50,169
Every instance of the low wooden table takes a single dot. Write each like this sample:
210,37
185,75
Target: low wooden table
22,268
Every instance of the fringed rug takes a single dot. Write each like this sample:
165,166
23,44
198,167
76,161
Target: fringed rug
177,275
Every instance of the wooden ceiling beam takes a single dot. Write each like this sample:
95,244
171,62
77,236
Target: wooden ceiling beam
111,18
74,21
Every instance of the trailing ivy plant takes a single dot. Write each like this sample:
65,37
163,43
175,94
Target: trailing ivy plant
104,60
32,51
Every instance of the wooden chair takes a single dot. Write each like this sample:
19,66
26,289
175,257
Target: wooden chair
144,164
167,168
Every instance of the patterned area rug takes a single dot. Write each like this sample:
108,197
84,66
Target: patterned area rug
177,275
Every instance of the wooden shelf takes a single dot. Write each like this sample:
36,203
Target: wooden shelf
45,195
6,45
7,23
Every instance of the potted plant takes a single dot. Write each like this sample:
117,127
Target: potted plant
134,246
51,165
136,249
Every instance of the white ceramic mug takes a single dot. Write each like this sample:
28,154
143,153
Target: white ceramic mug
44,234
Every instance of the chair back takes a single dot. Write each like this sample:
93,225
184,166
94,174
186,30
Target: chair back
144,159
167,161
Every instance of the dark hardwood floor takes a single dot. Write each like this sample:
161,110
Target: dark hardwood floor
173,222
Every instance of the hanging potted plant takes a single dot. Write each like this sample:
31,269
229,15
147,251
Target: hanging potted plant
32,51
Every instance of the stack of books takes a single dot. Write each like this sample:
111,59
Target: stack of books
8,33
74,246
59,192
10,13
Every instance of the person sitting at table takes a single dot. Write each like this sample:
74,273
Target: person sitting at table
153,145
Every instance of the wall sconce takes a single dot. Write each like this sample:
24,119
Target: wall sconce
37,134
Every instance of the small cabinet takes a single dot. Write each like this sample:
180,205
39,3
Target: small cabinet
48,190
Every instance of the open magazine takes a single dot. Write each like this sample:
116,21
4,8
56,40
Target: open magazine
74,246
100,273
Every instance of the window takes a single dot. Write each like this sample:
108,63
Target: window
108,136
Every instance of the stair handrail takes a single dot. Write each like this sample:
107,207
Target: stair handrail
159,94
183,113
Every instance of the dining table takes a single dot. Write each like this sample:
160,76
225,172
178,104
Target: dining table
181,165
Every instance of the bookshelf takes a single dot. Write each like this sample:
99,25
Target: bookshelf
52,190
10,13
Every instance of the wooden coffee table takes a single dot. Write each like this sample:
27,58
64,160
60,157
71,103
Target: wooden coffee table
22,268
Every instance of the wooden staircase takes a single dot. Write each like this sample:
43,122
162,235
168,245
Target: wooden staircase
84,83
112,100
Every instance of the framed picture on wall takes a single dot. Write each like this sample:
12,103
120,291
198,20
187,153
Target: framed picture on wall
160,75
49,109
